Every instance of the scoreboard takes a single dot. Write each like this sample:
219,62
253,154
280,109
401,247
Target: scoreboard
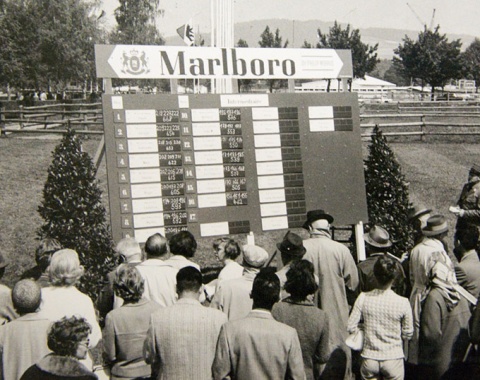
231,164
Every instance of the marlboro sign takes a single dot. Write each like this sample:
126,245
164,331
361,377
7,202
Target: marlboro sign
157,62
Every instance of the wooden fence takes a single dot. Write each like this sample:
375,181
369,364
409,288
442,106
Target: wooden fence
400,120
52,116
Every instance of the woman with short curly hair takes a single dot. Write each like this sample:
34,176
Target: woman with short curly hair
299,311
126,327
63,299
68,340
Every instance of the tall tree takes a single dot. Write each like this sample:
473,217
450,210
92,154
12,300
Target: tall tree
269,39
73,212
387,192
471,62
432,59
47,42
364,56
136,23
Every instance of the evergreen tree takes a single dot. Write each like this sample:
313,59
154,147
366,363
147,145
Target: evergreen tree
269,39
73,213
387,192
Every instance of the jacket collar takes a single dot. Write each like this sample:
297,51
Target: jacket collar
63,366
260,313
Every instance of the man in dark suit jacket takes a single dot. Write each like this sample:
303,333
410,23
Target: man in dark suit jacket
258,347
468,268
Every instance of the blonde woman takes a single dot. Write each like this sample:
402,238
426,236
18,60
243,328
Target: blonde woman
62,298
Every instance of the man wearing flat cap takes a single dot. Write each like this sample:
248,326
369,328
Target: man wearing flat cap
377,243
422,259
233,296
291,249
337,273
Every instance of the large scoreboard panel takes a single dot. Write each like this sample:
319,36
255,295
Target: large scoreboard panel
230,164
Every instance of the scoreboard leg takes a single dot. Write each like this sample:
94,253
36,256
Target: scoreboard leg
360,243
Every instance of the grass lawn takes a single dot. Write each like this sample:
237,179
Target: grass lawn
436,172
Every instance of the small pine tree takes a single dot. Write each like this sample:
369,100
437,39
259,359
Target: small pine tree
73,213
387,193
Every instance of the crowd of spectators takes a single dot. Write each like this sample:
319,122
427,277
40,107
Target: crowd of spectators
416,315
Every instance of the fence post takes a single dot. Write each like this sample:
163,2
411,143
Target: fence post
85,121
20,113
3,132
422,120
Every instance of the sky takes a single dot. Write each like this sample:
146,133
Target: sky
453,16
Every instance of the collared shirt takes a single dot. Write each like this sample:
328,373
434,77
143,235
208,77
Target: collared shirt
160,281
179,262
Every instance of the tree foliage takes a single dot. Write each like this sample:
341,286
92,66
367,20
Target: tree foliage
364,56
432,59
471,62
387,192
269,39
47,42
73,213
136,23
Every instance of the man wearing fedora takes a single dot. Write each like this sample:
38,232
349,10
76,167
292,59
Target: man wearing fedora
377,242
337,273
423,258
291,249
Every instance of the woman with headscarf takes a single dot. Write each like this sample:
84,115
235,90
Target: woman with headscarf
444,321
68,340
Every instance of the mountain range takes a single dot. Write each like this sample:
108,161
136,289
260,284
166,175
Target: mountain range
296,32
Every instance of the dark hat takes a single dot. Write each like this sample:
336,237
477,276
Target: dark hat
378,237
292,245
474,170
436,225
417,210
3,261
314,215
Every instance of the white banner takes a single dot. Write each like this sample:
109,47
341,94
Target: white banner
139,61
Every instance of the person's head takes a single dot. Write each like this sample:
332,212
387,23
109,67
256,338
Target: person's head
128,284
254,256
69,337
65,268
436,227
301,280
44,252
291,248
26,296
467,238
226,249
474,172
189,281
265,289
156,246
377,239
3,264
317,221
385,270
129,249
183,243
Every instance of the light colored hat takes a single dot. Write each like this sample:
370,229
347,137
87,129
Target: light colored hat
417,210
378,237
436,225
254,256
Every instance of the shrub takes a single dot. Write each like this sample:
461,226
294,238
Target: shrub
73,213
387,193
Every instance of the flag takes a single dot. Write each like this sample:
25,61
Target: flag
187,34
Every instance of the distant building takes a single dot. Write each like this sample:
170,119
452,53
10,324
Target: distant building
368,88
